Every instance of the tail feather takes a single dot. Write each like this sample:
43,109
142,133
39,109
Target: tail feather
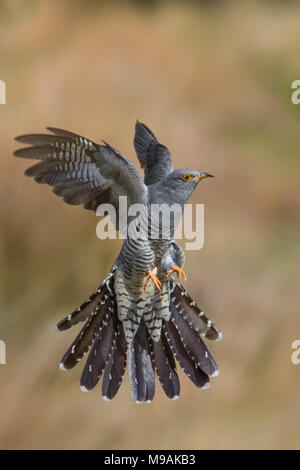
90,306
141,371
194,344
114,371
165,367
193,315
101,350
191,369
83,340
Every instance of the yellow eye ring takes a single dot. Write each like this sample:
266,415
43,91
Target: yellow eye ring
186,177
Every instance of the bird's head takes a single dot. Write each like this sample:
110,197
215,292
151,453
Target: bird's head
181,183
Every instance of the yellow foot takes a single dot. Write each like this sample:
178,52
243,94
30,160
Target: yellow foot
180,272
156,281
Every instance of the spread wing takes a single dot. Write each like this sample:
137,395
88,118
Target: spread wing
81,171
154,157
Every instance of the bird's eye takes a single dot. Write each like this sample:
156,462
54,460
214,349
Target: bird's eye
186,177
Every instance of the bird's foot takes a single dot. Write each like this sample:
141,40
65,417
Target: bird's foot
155,280
180,272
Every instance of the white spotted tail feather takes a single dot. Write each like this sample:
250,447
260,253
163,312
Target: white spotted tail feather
102,336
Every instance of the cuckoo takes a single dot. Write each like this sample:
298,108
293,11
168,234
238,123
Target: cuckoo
140,314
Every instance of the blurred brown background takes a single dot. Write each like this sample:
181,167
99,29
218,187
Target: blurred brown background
213,81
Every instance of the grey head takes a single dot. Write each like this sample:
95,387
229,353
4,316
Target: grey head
177,186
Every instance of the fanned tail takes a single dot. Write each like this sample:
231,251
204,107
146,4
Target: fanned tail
181,338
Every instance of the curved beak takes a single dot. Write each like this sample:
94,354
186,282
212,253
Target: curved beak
202,176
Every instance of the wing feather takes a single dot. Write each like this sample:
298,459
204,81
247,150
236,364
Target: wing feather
154,157
81,171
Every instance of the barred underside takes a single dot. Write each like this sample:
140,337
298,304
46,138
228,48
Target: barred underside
152,306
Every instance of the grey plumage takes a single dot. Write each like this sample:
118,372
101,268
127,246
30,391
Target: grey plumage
114,371
140,366
128,317
164,364
79,170
94,326
91,306
101,349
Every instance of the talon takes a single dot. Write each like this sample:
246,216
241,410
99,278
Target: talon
155,280
180,272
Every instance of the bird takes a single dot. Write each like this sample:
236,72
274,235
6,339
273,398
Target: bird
140,316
